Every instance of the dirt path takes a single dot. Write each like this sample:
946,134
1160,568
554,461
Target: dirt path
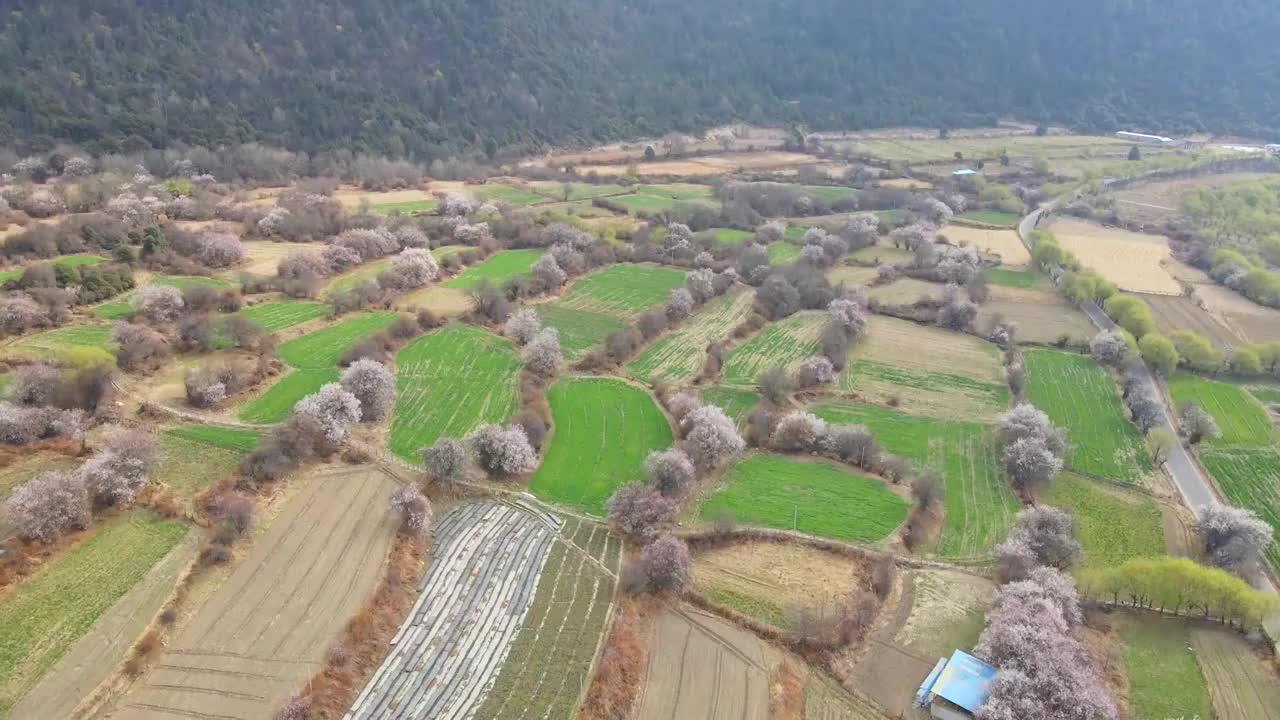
703,668
266,629
97,654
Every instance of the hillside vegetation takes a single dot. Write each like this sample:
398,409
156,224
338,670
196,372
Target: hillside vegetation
429,78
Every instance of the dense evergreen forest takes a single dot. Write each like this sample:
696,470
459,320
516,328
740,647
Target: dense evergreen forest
427,78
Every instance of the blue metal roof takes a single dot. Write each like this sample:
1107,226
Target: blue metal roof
964,681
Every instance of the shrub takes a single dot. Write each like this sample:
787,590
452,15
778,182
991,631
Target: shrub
640,513
414,509
853,444
666,565
670,471
373,385
799,432
502,451
814,371
774,384
48,506
445,461
1110,347
139,346
161,303
33,384
1159,352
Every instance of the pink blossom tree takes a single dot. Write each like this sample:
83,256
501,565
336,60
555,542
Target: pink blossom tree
502,452
413,508
670,471
640,513
522,326
161,303
373,385
711,438
666,565
48,506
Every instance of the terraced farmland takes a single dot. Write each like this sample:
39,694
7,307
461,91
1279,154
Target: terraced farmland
43,617
265,630
193,457
1242,419
813,497
61,343
322,348
497,268
624,290
678,356
958,376
448,383
1080,397
277,316
275,404
735,402
1250,478
509,616
782,252
579,330
356,276
978,503
784,343
603,430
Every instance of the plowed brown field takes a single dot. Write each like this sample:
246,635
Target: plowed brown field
266,629
703,668
1179,312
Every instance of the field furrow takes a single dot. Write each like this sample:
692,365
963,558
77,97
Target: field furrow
785,343
678,357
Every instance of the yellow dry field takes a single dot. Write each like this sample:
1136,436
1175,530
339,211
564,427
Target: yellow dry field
264,255
223,226
947,611
711,164
1132,261
781,576
905,291
1004,243
1180,312
900,343
1042,315
352,197
907,184
851,275
443,301
882,254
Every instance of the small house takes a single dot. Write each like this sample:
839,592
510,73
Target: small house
1144,138
956,687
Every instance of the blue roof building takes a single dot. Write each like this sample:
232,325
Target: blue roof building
956,688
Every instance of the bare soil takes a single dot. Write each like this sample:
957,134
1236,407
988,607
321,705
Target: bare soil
265,630
703,668
1004,243
1180,312
782,575
1241,686
1156,203
1257,323
1042,315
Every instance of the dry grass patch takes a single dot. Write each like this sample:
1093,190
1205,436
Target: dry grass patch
1158,202
907,184
851,275
1042,315
765,579
351,197
265,255
712,164
443,301
1132,261
947,612
1004,243
1240,685
905,291
1255,322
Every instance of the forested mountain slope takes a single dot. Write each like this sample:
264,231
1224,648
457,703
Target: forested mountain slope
432,77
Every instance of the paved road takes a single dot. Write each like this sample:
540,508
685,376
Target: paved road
1196,490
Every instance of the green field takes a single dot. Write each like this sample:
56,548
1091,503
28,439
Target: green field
604,429
1012,278
729,236
356,276
979,505
191,460
497,268
678,356
785,342
1164,676
677,191
508,194
41,618
991,217
276,316
321,349
577,190
812,497
579,330
624,290
1113,525
445,251
277,402
182,282
226,438
448,383
407,206
56,344
871,377
735,402
1250,478
117,309
782,252
1266,393
1079,396
830,193
1241,418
